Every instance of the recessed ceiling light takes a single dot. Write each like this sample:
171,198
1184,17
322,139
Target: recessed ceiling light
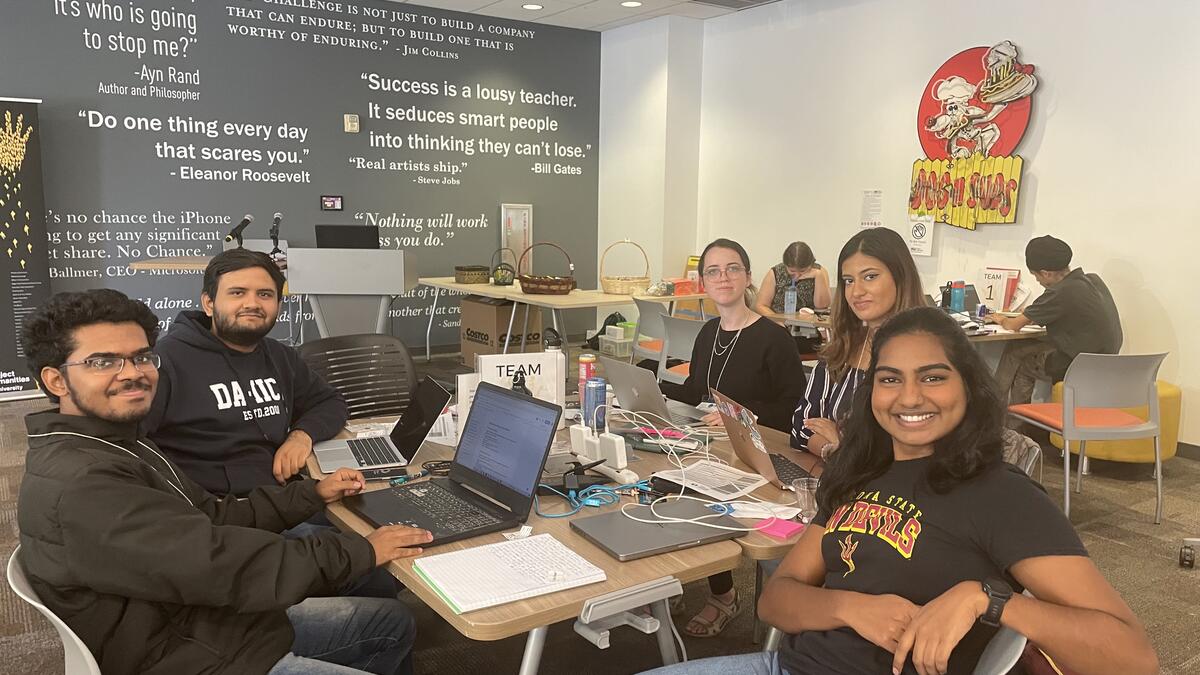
531,6
631,3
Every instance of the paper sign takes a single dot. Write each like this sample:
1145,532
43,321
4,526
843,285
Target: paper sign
997,287
920,235
872,209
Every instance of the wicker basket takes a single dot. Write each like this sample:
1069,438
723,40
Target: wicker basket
624,285
471,274
503,274
542,284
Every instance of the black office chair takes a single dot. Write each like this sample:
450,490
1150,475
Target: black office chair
374,373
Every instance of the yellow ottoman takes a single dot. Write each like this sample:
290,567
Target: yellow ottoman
1140,450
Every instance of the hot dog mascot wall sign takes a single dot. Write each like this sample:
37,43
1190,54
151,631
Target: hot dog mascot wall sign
972,116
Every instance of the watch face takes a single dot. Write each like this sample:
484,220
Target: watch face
997,587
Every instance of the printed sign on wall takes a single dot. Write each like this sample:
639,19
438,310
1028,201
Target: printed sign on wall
973,113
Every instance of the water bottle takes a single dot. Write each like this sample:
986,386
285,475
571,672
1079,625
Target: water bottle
789,299
553,344
958,296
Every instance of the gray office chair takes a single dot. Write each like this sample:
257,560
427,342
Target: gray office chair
76,655
1095,389
373,373
649,326
681,337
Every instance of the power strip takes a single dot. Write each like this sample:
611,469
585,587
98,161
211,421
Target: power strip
589,447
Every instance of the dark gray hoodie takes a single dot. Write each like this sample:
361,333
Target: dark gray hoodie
220,415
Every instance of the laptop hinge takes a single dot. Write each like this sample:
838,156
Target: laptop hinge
500,505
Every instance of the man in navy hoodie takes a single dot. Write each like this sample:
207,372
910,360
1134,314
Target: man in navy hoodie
236,409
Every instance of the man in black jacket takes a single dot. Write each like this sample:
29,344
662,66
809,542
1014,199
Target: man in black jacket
154,573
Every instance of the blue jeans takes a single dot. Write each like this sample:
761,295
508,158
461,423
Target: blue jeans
756,663
339,636
378,583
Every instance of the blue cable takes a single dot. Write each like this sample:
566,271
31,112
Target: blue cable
595,496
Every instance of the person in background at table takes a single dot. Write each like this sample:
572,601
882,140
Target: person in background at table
877,279
1079,315
799,267
929,538
749,359
150,570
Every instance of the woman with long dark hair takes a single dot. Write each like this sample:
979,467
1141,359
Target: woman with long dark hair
929,538
799,269
877,279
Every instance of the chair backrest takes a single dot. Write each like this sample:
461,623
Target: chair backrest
1111,381
681,336
78,658
649,321
1001,654
373,373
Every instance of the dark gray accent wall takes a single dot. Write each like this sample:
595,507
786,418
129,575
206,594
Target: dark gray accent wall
166,120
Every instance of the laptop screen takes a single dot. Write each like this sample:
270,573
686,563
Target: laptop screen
428,401
506,438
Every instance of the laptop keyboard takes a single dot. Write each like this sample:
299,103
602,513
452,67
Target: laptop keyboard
787,470
373,451
449,512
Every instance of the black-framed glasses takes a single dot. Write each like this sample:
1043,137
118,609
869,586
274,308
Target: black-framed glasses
730,271
110,365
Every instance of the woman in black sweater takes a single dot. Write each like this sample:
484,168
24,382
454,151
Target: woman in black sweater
749,359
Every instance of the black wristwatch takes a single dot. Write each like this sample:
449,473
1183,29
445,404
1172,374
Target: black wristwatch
998,592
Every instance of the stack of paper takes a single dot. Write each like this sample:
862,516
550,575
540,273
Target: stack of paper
507,571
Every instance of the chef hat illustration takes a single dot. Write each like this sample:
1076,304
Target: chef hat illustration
954,88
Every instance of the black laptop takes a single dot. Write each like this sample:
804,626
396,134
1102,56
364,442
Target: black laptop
347,236
493,477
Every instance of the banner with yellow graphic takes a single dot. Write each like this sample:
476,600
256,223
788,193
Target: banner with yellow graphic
25,279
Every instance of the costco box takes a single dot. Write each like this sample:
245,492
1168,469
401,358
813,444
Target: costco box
484,327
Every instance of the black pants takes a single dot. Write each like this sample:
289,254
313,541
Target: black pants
721,583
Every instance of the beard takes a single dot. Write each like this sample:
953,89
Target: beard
119,416
227,328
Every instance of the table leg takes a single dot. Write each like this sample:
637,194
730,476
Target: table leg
533,650
508,335
666,638
429,326
671,308
524,328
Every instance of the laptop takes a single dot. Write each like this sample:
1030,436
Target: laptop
347,236
429,399
627,539
637,389
493,476
749,447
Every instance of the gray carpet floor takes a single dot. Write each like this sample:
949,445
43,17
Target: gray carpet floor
1114,517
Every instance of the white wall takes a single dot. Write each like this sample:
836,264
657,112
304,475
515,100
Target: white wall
649,145
806,103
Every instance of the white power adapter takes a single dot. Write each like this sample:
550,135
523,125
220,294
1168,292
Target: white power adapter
612,450
590,447
584,442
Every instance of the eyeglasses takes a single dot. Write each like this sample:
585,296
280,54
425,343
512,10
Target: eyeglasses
110,365
730,271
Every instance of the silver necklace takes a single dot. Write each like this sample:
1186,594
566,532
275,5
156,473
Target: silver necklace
127,451
727,348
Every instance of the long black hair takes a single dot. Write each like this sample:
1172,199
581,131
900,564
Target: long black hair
866,452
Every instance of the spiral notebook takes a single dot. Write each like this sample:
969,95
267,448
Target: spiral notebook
507,571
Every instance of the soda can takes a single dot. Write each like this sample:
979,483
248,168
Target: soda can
592,405
587,370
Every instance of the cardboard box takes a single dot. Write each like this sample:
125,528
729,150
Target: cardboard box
485,325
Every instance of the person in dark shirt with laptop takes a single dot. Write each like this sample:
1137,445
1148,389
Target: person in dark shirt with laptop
925,538
1079,315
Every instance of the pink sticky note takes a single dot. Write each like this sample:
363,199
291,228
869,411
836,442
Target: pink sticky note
778,528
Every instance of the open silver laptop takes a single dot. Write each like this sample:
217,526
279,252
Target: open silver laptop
637,389
780,467
398,448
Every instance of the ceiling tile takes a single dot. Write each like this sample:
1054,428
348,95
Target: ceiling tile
456,5
697,10
511,9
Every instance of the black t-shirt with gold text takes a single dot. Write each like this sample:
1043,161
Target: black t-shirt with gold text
898,536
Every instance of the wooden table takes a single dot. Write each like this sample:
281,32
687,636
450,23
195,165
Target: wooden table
576,299
534,615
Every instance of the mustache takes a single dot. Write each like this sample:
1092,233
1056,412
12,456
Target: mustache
135,385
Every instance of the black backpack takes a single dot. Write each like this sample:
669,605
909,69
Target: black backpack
611,320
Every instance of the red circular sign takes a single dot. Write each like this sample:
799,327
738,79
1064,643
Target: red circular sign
953,118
